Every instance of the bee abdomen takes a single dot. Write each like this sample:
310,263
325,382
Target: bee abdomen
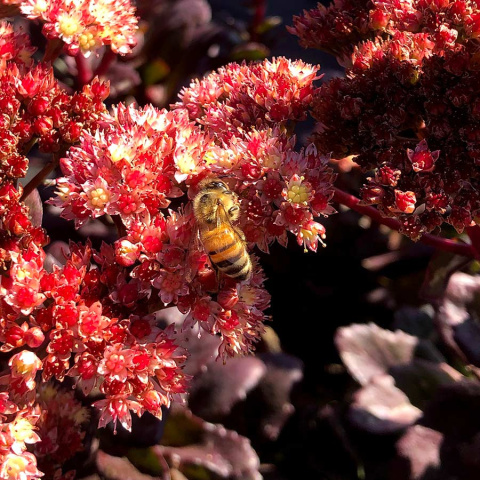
229,255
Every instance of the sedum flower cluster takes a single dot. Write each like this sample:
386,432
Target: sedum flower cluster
248,113
34,109
82,25
93,315
76,320
342,26
409,106
142,161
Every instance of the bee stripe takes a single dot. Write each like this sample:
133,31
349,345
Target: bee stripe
244,273
235,269
231,264
212,253
225,254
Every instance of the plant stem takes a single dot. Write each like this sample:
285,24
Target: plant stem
474,234
438,242
121,229
107,60
39,177
260,9
84,73
53,50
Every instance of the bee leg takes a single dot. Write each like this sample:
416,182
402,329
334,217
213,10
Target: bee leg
220,280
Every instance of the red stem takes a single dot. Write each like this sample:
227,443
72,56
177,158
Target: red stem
84,73
107,60
260,7
121,229
474,234
40,176
53,50
438,242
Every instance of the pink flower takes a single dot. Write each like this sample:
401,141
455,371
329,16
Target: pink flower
22,289
422,158
23,466
116,363
117,408
171,285
310,234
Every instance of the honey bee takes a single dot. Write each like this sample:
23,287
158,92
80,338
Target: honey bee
215,208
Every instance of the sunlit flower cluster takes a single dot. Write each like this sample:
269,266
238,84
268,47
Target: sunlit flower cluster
409,110
255,96
14,46
127,168
93,315
34,109
21,254
100,339
17,431
85,25
131,169
247,111
232,124
340,27
78,320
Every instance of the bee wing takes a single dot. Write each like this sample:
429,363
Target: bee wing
222,217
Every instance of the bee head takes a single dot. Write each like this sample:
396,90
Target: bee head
215,185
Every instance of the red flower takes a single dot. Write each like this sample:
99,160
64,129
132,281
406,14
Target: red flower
422,158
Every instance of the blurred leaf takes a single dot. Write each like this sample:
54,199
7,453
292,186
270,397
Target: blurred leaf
458,314
177,474
146,460
35,208
118,468
454,409
175,14
56,254
467,337
379,262
441,267
418,455
274,389
214,392
202,350
249,394
182,428
420,379
95,228
123,77
268,24
222,452
414,321
155,71
157,94
250,51
382,408
368,350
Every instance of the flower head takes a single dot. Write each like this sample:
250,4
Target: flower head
407,108
85,25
